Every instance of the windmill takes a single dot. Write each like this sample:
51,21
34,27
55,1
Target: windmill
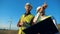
10,23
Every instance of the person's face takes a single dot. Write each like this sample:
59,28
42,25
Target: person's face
27,7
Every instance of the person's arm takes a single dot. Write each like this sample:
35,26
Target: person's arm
54,21
20,23
36,18
31,22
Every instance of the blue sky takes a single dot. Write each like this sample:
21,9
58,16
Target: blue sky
13,9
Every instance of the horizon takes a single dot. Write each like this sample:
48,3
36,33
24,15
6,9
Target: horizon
11,11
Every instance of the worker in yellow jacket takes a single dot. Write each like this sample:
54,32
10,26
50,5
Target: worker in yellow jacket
25,19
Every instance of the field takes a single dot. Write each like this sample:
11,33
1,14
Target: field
15,31
59,27
8,31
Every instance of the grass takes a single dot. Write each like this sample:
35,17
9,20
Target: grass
8,31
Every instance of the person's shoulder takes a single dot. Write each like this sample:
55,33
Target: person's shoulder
31,15
22,15
49,16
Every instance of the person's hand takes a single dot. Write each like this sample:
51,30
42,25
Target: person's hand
21,23
44,5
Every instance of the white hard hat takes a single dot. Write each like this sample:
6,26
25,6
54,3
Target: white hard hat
38,8
27,3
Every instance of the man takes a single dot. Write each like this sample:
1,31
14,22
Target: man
25,19
41,15
40,12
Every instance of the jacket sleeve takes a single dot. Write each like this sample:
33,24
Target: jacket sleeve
19,22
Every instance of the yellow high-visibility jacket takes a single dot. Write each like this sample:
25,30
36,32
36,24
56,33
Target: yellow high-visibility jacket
26,20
